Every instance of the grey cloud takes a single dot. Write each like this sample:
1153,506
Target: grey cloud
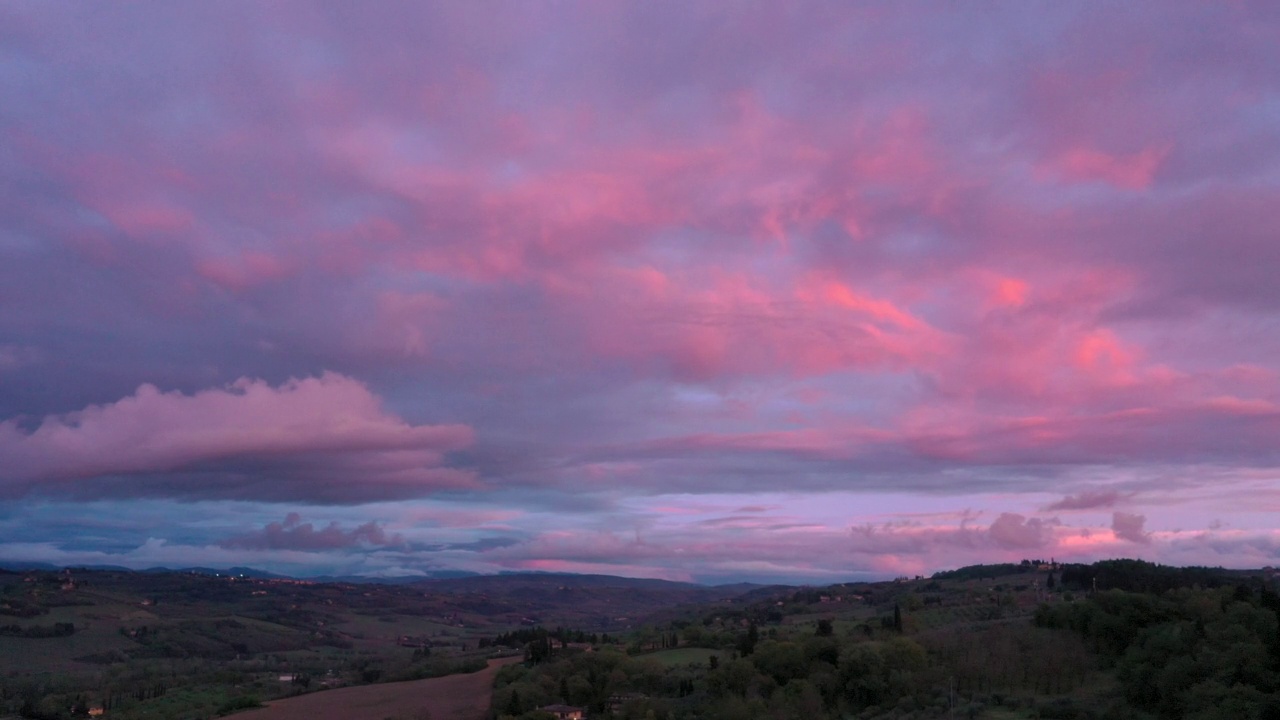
1130,526
1016,532
293,534
1089,500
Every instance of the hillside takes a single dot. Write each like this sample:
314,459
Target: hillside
595,602
992,641
173,642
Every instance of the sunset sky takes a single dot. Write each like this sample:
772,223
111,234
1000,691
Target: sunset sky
801,292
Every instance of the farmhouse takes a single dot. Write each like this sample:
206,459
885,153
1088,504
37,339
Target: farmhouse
616,702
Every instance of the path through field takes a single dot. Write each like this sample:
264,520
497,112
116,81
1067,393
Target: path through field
455,697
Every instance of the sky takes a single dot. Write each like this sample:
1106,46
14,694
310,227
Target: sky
781,292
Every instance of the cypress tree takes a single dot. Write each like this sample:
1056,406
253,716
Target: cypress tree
747,644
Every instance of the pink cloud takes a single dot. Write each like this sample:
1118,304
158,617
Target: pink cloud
298,428
831,249
242,272
770,545
1101,353
842,296
146,220
734,324
457,518
1130,172
1000,291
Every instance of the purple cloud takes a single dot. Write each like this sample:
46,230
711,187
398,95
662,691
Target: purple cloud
1015,532
574,257
1089,500
293,534
316,438
1129,526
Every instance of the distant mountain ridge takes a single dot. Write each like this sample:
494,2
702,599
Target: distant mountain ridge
448,580
541,579
479,582
239,571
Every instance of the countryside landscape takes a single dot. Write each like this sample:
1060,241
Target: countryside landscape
639,360
1116,639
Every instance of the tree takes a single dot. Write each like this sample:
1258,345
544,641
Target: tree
897,617
1050,583
824,628
747,644
783,661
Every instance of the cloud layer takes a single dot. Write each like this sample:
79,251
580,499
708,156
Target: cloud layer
293,534
572,258
324,438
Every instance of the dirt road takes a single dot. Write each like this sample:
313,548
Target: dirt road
455,697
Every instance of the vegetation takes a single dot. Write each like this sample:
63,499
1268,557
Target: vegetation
999,641
1185,653
1116,639
38,631
191,645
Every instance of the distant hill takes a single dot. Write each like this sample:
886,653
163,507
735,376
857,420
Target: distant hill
480,583
120,624
19,566
245,572
239,571
437,580
579,601
596,602
476,582
392,580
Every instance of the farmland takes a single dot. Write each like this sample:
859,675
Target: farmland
193,644
989,642
456,697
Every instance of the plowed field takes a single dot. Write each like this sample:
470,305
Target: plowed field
456,697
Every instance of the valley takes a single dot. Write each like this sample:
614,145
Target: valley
1028,640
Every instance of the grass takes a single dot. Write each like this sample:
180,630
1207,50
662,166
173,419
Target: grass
58,655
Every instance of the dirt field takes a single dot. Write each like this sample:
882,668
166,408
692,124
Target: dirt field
456,697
